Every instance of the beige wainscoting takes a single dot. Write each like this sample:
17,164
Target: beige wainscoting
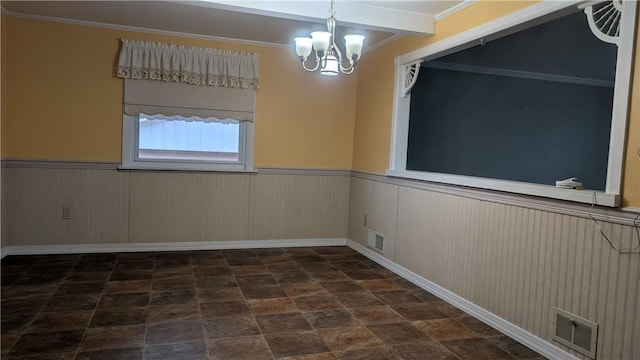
110,206
514,261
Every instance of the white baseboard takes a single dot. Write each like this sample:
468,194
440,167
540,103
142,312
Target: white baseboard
173,246
537,344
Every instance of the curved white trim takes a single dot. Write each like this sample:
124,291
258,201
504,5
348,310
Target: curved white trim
537,344
452,10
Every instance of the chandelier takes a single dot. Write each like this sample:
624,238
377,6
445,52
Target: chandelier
328,57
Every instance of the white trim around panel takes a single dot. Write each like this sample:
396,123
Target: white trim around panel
509,24
172,246
537,344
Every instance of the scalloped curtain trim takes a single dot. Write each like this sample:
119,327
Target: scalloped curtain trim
147,60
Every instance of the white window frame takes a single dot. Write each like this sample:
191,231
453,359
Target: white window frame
505,25
130,160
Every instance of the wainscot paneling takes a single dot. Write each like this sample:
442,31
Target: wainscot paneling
514,261
110,206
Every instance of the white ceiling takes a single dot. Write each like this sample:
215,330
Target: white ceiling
266,21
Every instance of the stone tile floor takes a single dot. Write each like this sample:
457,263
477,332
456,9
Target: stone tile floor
293,303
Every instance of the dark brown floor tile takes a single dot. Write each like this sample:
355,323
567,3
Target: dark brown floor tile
478,326
242,348
87,276
350,265
278,323
299,251
15,323
94,266
177,312
205,254
424,351
379,285
19,291
71,303
349,338
294,344
358,299
277,259
49,269
307,258
217,264
249,270
50,342
363,274
172,256
295,290
513,347
173,297
423,311
381,353
318,356
28,305
288,267
113,354
341,286
231,327
211,271
219,295
119,316
106,257
215,282
476,349
134,265
268,252
329,275
243,261
116,337
60,321
255,280
272,306
171,263
447,309
41,279
329,250
222,309
317,266
405,284
80,289
331,318
127,286
195,350
239,253
398,333
170,273
172,284
425,295
377,315
294,278
317,302
444,329
134,257
170,332
124,300
6,343
397,297
263,292
130,275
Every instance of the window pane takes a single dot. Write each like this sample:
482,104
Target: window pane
195,139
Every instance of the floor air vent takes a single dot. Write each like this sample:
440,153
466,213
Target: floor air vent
375,241
575,332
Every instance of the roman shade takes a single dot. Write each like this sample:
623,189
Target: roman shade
179,99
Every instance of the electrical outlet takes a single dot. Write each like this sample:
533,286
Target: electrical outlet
66,212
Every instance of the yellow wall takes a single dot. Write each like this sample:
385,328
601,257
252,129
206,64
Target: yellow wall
63,102
372,138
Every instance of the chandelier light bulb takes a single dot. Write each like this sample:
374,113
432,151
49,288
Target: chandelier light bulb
328,57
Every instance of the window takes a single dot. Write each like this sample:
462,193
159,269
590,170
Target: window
187,108
174,126
514,108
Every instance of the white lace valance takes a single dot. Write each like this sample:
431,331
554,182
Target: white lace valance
193,65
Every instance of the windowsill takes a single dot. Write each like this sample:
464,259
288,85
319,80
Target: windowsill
548,191
186,167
